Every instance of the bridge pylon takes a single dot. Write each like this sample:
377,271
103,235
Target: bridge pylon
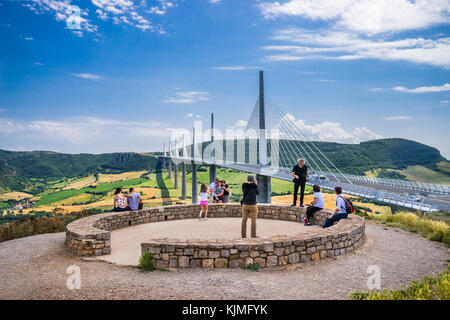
264,182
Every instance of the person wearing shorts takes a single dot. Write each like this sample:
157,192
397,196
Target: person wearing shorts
203,202
226,192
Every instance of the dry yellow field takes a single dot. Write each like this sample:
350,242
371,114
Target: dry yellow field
15,195
104,178
330,199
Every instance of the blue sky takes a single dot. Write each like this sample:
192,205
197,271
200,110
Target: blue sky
132,71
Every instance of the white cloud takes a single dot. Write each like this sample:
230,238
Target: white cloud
324,80
365,16
188,97
63,10
396,118
84,130
38,64
444,87
376,89
331,131
344,45
189,115
214,1
240,124
445,101
88,76
236,68
29,38
129,12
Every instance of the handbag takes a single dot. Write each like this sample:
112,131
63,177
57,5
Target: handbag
245,194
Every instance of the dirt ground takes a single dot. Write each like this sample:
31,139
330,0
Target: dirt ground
36,268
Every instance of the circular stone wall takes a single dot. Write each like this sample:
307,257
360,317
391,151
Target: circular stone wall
91,236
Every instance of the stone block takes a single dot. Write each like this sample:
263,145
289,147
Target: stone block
221,263
207,263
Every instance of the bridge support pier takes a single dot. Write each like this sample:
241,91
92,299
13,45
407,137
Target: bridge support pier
164,160
183,181
175,177
212,173
194,184
169,168
264,188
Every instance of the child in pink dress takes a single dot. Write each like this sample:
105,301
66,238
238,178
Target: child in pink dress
203,202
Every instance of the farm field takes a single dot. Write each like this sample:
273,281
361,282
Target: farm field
156,189
422,174
15,196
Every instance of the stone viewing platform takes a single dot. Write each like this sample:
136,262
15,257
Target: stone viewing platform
91,236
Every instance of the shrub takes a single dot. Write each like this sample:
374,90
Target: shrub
147,262
252,267
428,288
432,229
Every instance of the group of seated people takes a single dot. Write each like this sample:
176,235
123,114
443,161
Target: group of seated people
220,193
318,203
127,201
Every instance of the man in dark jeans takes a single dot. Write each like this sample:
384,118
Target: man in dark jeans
340,212
301,175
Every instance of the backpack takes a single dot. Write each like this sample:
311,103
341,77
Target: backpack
348,205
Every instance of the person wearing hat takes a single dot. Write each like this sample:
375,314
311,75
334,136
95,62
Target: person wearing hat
249,206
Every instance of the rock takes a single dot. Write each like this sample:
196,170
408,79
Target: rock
183,262
293,258
221,263
208,263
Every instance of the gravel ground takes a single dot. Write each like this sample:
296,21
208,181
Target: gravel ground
35,268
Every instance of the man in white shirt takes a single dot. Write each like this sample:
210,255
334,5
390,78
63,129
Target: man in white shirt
212,188
317,204
340,212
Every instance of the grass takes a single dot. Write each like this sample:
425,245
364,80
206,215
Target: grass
15,195
252,267
434,230
423,174
147,262
428,288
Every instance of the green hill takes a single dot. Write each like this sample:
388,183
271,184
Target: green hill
19,170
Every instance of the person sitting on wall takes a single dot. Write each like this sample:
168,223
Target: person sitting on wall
120,201
317,204
340,212
134,200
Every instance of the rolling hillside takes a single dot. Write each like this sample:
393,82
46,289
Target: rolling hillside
31,171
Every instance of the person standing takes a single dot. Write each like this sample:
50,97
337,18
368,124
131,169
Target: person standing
212,188
249,206
301,175
317,204
203,202
340,212
226,192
